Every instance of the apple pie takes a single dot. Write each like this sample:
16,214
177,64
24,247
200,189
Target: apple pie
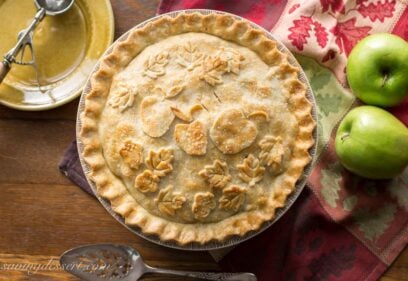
196,128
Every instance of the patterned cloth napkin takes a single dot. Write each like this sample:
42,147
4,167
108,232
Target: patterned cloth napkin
342,227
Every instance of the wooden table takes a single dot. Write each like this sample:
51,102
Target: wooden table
42,213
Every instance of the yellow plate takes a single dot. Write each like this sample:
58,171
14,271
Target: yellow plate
66,48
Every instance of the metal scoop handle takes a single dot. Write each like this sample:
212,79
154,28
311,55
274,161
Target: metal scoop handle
217,276
24,38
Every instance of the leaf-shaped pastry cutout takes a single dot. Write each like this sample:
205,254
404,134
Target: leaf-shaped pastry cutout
122,98
195,108
192,138
250,171
259,113
217,174
169,202
160,162
272,153
233,59
154,66
233,198
131,154
156,116
175,91
181,115
147,181
203,204
232,132
212,70
188,56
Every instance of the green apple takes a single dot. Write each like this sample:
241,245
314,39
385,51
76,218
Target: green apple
372,143
377,69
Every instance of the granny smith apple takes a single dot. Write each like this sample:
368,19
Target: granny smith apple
377,69
372,143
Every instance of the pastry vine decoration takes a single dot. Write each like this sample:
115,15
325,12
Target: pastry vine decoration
203,204
122,98
272,152
216,175
168,202
147,181
192,138
155,65
188,56
232,199
131,154
232,132
160,162
250,170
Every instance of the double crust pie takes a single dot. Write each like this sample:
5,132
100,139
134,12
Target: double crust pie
196,128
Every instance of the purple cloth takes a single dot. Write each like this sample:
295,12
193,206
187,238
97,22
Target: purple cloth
70,166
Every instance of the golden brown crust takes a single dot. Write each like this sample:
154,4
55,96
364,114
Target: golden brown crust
123,52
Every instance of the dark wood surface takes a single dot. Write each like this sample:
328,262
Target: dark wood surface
42,213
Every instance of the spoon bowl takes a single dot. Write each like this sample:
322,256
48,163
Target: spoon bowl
54,7
102,262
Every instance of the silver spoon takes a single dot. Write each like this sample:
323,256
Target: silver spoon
25,36
102,262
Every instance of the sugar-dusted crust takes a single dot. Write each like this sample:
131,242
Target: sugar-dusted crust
107,183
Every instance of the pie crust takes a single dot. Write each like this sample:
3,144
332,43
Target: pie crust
196,128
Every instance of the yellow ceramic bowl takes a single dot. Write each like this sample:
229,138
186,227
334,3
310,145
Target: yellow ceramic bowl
66,48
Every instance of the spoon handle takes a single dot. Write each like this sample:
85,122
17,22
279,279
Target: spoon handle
240,276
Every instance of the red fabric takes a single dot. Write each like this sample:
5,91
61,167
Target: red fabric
314,241
305,244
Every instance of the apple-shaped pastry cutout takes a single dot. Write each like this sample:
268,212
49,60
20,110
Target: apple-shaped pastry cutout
192,138
232,132
156,116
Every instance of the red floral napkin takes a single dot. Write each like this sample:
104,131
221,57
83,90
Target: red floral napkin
342,227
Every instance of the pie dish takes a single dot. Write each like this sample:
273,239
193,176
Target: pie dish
196,128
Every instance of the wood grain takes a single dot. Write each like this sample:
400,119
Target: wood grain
42,214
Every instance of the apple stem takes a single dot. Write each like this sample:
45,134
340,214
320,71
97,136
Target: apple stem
344,137
384,79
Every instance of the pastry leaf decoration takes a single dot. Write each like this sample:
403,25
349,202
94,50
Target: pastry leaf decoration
233,59
250,171
186,116
181,114
154,66
122,98
175,91
169,202
131,154
272,153
212,70
232,199
203,204
160,162
147,181
188,57
216,175
259,113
